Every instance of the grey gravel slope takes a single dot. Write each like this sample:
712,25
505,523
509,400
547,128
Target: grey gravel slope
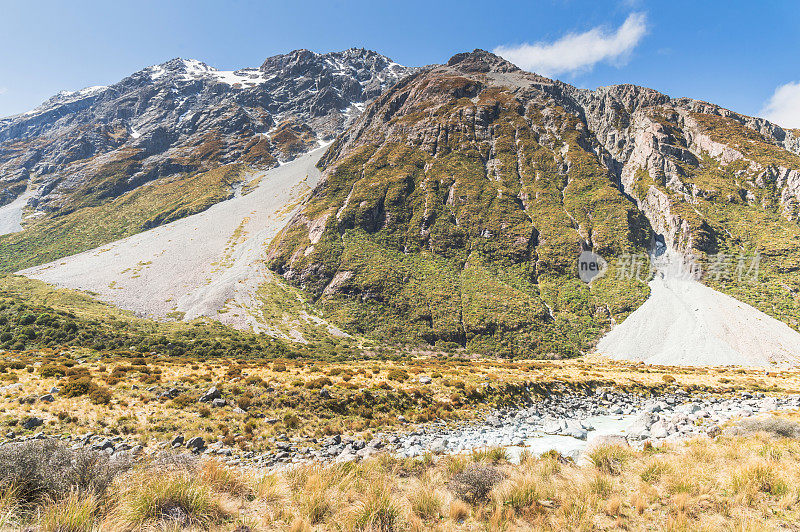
209,264
686,323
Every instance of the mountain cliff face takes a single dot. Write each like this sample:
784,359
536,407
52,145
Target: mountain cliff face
454,210
149,141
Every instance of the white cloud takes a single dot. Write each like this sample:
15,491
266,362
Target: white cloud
577,52
783,107
3,90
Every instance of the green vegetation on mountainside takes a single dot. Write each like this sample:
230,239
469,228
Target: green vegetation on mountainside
476,246
735,213
95,220
36,315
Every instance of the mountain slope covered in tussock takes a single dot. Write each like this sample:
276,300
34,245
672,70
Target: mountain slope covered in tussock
454,210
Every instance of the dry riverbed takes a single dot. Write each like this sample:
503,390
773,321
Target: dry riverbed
273,412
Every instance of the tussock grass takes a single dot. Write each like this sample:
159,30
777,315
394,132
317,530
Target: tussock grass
75,513
225,479
610,458
377,510
730,483
8,506
491,454
165,497
426,500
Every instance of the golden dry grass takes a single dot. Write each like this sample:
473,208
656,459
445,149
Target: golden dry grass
732,483
370,395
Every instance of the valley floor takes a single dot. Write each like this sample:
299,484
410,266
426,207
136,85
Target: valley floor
743,479
282,411
414,443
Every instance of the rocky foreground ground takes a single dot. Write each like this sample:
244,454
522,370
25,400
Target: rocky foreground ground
740,478
604,416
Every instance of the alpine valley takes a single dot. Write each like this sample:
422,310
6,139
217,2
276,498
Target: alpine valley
343,196
337,293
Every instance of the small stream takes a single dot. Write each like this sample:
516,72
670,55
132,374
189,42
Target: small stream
567,425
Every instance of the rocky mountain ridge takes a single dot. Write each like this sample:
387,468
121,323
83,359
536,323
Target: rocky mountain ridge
478,174
103,163
184,116
452,211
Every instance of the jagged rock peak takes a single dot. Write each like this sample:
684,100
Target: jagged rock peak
481,61
297,60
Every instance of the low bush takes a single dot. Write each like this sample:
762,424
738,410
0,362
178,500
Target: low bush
77,387
399,375
317,383
773,426
475,482
43,470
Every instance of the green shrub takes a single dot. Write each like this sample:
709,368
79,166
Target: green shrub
77,387
52,370
400,375
317,383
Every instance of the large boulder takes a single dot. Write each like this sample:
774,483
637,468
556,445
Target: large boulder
196,444
32,423
210,395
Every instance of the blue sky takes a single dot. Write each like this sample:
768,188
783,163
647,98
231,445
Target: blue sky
742,55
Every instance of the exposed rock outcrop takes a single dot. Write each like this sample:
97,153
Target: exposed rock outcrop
184,116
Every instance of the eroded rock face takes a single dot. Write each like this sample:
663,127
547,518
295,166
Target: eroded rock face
184,116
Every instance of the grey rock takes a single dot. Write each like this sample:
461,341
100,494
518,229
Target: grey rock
211,394
578,433
551,426
659,430
196,444
605,440
32,423
439,445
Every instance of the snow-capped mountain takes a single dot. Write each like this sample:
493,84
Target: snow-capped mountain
184,116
